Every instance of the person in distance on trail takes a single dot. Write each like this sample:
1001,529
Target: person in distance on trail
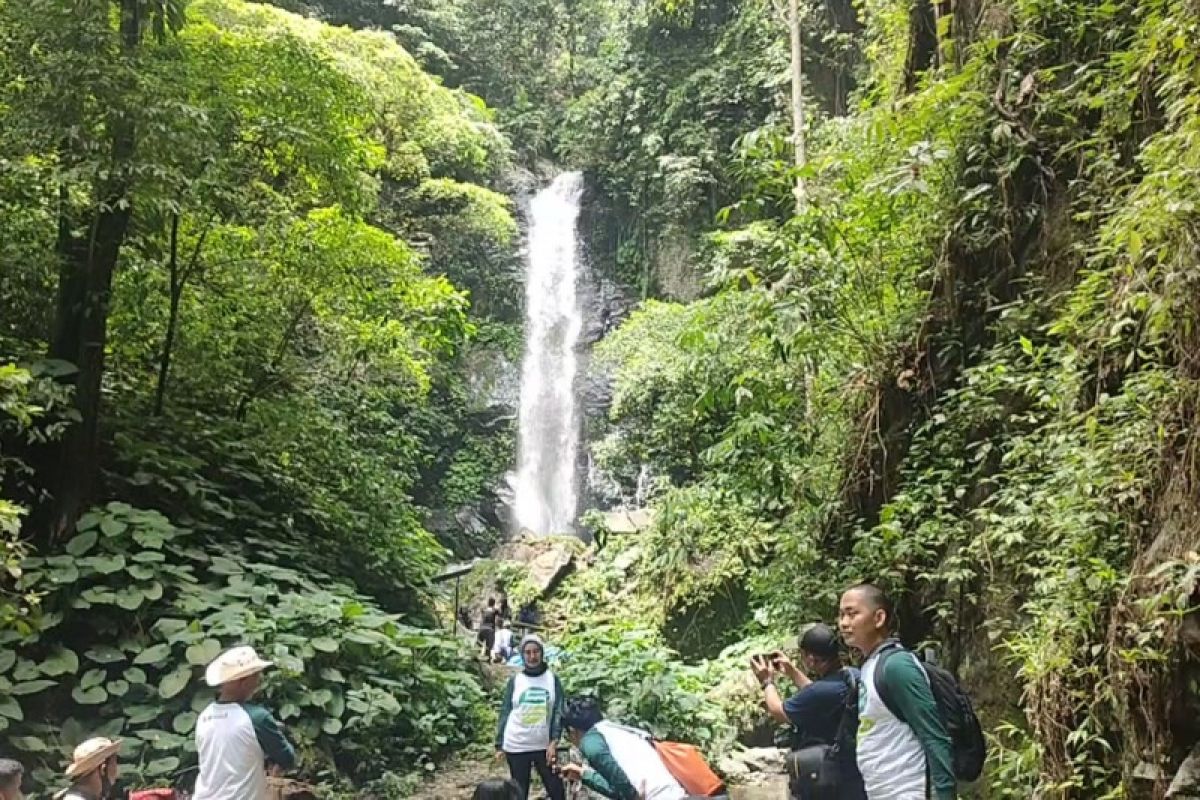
11,775
93,770
502,649
531,721
822,712
487,628
234,737
622,763
497,789
898,759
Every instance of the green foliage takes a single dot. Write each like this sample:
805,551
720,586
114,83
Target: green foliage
641,682
33,411
966,371
283,342
144,605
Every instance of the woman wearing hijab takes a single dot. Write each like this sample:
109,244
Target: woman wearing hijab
531,721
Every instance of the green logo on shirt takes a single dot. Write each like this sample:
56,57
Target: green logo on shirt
533,707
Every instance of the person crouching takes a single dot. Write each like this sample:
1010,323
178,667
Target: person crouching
622,763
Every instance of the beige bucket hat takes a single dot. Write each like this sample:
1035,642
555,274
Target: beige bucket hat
234,663
91,754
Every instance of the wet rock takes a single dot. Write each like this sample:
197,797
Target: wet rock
494,382
1187,778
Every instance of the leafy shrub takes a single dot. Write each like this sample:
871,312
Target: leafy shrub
134,607
641,682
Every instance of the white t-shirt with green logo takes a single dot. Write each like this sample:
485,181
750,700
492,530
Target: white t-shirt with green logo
528,726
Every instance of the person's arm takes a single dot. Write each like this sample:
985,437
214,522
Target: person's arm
763,670
505,710
274,744
556,713
775,704
603,774
784,664
908,691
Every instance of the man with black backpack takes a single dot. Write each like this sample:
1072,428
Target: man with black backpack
917,732
823,714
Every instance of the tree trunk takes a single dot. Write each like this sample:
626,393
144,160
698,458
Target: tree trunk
799,143
922,42
176,294
81,324
179,276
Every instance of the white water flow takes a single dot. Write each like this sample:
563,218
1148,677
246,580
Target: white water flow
548,441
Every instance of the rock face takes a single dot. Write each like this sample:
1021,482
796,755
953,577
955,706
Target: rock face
494,382
1187,779
548,559
756,773
549,568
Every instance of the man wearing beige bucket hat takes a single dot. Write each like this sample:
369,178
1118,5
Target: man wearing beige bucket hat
234,737
92,770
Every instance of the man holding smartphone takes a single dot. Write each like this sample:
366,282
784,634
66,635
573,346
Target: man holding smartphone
822,713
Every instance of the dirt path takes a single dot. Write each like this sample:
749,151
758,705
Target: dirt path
456,780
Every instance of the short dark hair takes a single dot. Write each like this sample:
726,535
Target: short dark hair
877,598
497,789
491,602
582,713
821,641
10,772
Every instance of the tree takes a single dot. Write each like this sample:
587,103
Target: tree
93,215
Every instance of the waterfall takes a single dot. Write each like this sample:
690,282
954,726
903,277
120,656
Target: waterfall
545,492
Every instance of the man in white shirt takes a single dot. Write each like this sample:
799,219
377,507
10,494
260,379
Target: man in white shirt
234,737
502,649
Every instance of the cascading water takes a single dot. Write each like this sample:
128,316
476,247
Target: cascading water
545,491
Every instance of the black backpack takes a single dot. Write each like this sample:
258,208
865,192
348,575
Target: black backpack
968,748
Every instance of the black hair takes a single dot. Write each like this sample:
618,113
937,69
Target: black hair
11,773
878,599
497,789
820,641
491,602
582,713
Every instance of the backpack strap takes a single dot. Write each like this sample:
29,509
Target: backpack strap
849,709
887,650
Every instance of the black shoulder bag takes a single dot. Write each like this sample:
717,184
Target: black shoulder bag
815,772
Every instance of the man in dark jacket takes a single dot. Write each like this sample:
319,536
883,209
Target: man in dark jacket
820,711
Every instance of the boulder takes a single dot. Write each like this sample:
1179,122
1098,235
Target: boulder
764,759
549,567
1186,782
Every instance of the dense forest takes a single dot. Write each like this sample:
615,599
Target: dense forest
933,325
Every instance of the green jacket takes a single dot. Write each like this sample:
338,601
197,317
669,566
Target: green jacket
906,687
603,775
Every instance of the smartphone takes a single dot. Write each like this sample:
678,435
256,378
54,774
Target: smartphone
562,754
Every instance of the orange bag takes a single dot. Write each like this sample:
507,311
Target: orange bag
688,767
